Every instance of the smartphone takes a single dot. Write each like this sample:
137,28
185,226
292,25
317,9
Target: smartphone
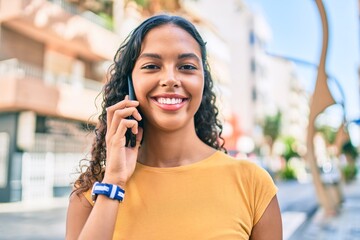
130,137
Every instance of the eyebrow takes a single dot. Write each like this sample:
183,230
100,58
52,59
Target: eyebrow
150,55
189,55
180,56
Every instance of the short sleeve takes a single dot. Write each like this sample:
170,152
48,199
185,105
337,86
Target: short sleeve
264,191
88,197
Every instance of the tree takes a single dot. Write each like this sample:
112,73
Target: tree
272,126
329,133
351,153
290,148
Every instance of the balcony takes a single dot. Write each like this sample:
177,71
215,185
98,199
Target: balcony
90,16
60,26
25,87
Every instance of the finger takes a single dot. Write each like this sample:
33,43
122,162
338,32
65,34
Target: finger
110,112
120,105
122,128
123,104
119,115
118,139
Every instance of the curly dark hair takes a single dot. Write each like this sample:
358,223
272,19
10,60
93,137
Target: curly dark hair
208,127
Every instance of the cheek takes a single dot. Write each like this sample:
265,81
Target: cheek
140,88
195,88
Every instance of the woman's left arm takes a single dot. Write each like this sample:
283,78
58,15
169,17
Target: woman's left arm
269,227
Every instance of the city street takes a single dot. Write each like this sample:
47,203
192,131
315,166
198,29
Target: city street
21,221
343,226
33,225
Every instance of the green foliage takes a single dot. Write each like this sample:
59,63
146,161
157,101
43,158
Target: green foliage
272,126
143,3
290,151
288,173
349,149
349,172
328,132
109,24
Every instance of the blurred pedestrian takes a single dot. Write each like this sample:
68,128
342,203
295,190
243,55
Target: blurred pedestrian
177,182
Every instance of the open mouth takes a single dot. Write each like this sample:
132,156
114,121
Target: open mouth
169,101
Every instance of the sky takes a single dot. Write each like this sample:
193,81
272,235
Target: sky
297,33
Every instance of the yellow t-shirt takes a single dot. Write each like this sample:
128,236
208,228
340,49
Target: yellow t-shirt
219,197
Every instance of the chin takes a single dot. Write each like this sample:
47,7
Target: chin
173,124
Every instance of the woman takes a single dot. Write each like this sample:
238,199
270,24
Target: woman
179,184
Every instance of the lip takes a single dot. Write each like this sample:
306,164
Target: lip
169,106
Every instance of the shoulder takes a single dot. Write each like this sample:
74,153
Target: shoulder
244,165
244,169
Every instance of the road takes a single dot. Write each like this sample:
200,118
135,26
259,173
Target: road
33,225
296,197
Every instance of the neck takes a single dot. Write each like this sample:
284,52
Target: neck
172,149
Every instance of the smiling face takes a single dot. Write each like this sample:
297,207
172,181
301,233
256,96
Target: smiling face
168,78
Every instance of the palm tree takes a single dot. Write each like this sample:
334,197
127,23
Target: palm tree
271,128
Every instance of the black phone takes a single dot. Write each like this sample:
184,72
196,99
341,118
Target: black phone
130,137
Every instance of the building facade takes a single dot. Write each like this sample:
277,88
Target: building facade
53,59
256,84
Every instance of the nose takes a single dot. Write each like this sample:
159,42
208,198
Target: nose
169,79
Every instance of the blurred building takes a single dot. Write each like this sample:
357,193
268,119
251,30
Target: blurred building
280,89
232,19
53,59
256,84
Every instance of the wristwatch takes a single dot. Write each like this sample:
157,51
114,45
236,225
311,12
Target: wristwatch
110,190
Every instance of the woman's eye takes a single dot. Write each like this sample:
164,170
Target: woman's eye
187,67
150,67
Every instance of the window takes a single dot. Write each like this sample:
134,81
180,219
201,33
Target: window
252,38
4,158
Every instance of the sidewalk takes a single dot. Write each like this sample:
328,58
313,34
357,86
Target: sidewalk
14,207
297,204
345,226
30,221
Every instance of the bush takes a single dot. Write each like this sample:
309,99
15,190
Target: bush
288,173
349,172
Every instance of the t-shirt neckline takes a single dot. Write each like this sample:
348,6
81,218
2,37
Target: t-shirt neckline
178,168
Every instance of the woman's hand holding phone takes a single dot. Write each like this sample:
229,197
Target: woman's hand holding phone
120,159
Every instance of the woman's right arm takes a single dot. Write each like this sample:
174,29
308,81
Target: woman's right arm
98,222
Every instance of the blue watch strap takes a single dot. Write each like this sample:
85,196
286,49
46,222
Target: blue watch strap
110,190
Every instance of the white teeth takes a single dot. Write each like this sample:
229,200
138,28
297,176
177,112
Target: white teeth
169,100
